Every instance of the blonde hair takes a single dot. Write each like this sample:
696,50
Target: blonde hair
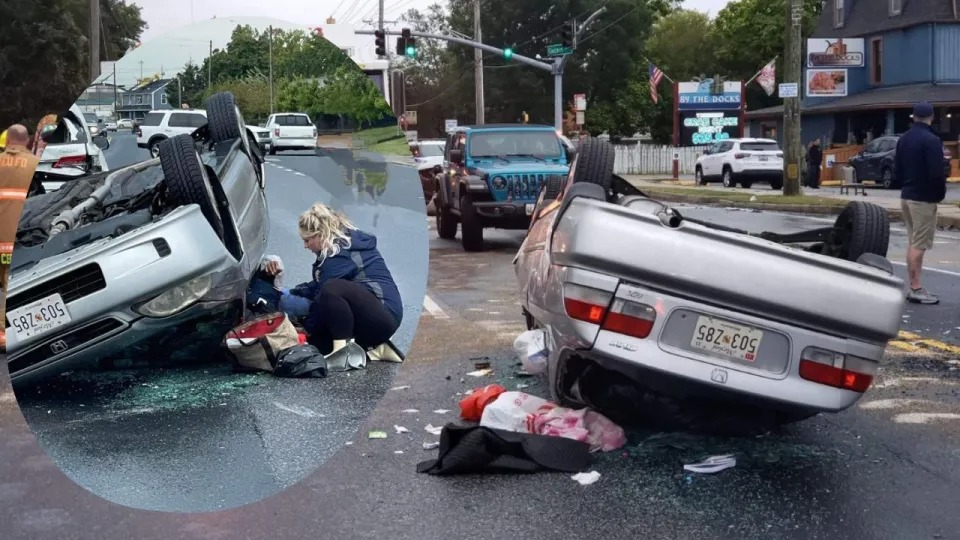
327,224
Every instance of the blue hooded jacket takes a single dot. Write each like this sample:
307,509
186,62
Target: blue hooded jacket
361,263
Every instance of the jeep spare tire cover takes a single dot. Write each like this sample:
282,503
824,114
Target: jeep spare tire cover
186,179
223,117
594,163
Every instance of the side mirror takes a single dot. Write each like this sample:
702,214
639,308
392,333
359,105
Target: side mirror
456,156
571,153
102,141
46,134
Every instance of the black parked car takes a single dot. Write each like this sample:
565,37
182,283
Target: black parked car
876,162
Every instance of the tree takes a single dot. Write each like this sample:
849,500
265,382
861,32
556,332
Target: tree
121,25
682,45
750,33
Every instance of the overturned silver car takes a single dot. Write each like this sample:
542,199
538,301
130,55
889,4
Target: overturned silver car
759,325
136,259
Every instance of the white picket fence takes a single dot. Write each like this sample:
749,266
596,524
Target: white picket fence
651,159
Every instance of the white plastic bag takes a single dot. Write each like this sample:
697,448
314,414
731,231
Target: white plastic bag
532,350
514,411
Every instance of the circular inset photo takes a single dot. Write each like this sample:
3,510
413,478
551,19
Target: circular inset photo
220,265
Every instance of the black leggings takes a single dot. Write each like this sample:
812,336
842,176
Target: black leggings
344,310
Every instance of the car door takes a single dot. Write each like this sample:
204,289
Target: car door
456,170
532,262
706,161
869,164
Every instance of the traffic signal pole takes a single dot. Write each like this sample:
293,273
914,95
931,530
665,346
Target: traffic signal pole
555,67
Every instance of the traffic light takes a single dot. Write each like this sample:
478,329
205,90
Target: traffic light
406,44
381,42
567,33
411,49
508,53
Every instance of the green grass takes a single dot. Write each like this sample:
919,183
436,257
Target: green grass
373,141
735,197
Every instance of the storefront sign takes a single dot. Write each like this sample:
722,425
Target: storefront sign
698,96
826,82
835,53
699,128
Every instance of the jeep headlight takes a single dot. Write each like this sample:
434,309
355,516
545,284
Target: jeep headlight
176,299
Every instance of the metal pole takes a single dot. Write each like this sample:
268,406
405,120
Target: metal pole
271,69
558,100
94,39
210,67
116,98
478,63
179,92
792,149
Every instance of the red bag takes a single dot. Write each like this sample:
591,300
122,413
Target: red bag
471,407
256,344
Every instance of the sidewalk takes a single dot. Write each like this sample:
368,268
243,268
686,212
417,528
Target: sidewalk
948,212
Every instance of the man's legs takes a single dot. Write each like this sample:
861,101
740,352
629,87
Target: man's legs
921,221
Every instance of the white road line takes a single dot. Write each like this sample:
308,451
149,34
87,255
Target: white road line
934,270
433,308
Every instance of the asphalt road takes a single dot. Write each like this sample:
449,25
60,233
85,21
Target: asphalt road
883,469
202,438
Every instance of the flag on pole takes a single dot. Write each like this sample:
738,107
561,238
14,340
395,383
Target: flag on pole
655,77
768,77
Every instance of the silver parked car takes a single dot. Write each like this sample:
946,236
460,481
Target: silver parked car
143,255
776,326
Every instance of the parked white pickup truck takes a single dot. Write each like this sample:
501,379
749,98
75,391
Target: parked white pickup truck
291,131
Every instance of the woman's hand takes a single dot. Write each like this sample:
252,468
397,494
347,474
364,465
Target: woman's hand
272,268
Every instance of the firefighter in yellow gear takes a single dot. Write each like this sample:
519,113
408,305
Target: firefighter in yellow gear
17,165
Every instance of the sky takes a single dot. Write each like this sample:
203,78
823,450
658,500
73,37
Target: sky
163,16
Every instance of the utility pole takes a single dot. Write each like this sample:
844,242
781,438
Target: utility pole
271,69
792,149
560,63
478,63
116,98
210,67
94,39
141,70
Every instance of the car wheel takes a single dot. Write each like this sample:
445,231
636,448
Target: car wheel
186,179
155,147
446,221
594,163
701,181
728,180
223,117
886,178
860,228
747,184
471,230
551,190
776,185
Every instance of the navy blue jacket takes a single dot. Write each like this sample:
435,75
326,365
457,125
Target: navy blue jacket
919,165
361,263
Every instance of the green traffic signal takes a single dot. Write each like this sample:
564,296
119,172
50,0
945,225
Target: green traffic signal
411,51
508,53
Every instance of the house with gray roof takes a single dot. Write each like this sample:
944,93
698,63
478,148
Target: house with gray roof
149,96
865,66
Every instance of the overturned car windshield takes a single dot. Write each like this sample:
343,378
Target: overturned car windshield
544,144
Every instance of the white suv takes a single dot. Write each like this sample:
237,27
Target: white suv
163,124
291,131
742,161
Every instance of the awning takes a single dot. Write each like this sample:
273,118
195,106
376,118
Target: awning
895,97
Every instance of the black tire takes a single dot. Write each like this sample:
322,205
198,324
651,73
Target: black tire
594,163
223,117
747,184
698,174
446,221
551,190
154,146
728,180
273,150
471,230
886,178
186,179
776,185
862,227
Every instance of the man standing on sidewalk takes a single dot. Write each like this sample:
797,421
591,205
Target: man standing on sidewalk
814,160
919,169
17,165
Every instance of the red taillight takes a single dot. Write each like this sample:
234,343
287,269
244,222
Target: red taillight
741,155
630,318
831,369
276,132
70,161
585,303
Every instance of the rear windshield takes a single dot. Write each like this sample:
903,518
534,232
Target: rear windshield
431,150
760,147
152,119
293,120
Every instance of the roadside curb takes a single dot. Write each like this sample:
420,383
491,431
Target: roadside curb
944,222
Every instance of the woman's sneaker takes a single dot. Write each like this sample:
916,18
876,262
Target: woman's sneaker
921,296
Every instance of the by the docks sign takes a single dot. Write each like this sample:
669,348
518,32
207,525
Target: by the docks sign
835,53
698,96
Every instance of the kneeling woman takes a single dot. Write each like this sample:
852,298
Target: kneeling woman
352,296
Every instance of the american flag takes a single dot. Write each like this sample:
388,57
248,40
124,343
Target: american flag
655,76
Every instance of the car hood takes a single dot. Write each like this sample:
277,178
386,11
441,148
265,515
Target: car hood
521,167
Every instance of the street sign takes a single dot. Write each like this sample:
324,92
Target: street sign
788,90
557,49
411,117
449,124
580,101
580,119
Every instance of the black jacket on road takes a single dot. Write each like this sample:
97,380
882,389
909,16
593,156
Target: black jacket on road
919,165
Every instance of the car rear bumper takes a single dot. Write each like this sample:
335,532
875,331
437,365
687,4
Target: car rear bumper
305,143
760,174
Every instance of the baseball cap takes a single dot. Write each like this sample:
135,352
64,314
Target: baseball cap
922,110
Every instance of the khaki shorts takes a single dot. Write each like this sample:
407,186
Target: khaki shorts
921,221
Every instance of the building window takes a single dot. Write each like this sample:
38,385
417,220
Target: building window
838,13
896,7
163,98
876,61
139,100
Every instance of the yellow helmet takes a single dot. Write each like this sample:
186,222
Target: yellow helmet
3,139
